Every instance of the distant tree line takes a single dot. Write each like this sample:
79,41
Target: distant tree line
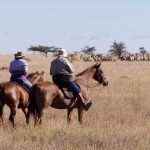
117,49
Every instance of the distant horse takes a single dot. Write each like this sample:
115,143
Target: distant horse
15,96
46,94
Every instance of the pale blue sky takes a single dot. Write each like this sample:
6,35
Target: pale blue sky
73,24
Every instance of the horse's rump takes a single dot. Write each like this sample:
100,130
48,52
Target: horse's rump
20,83
19,95
15,96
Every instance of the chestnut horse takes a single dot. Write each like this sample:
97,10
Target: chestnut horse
46,94
15,96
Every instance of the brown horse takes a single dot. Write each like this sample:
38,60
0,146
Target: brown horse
15,96
46,94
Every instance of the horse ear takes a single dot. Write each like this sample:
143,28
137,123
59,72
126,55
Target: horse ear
36,72
42,72
98,64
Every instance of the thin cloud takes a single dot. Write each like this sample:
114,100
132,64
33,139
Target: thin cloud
78,37
86,38
89,37
94,38
7,32
142,37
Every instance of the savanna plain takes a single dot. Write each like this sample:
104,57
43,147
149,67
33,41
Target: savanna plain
119,118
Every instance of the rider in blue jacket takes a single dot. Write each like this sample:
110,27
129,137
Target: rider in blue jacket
18,69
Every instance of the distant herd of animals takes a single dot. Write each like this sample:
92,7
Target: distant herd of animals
123,57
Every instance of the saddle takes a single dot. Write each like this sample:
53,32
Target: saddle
67,93
64,88
63,85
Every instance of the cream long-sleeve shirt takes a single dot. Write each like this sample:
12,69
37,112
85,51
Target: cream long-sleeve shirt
61,65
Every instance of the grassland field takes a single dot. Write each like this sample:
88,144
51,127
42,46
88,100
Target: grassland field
118,120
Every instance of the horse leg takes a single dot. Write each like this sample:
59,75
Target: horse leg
36,120
12,115
69,114
80,114
26,113
28,117
40,115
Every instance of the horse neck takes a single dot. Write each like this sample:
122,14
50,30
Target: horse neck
86,76
33,80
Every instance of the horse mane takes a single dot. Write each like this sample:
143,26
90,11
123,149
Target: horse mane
30,75
83,72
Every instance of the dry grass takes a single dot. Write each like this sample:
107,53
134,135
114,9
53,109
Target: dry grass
119,118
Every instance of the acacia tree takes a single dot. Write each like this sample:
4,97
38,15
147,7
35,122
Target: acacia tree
43,49
142,50
117,49
88,50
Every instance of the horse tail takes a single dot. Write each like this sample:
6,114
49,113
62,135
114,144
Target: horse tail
1,102
32,104
1,110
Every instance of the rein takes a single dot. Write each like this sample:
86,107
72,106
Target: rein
90,86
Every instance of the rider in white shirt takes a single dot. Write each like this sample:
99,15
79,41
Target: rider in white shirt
62,72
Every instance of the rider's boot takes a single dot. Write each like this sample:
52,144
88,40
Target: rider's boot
86,104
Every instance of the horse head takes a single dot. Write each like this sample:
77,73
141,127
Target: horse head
35,77
99,75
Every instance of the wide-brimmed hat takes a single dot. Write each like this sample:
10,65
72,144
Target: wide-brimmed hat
19,54
62,52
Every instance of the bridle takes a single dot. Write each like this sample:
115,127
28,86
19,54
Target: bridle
92,86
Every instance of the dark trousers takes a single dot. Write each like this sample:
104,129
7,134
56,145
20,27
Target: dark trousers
62,81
